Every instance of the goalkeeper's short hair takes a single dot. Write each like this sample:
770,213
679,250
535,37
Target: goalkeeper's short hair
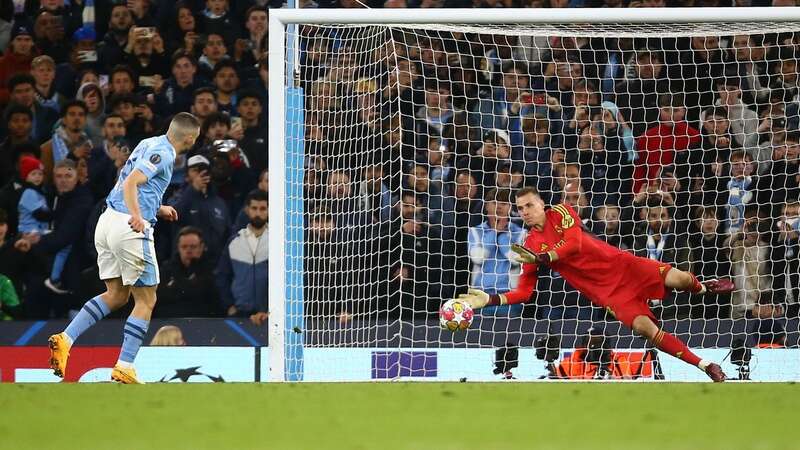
528,190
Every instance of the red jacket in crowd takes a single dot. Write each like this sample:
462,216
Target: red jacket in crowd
657,147
10,65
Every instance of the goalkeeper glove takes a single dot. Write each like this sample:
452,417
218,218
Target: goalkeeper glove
478,299
528,257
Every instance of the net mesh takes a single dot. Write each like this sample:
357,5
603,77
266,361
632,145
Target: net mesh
676,142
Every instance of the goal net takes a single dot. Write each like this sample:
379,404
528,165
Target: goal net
405,145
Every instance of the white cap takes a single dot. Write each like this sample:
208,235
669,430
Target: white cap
197,160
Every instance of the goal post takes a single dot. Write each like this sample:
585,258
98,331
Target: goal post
388,329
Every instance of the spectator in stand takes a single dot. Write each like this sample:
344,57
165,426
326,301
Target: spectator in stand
16,266
230,174
458,216
750,269
82,55
602,164
204,102
750,57
788,236
92,96
176,93
146,56
184,35
717,140
661,144
494,267
536,148
242,272
698,71
22,92
780,184
226,82
188,287
248,50
241,217
199,205
43,69
70,210
49,33
105,160
741,190
124,106
638,97
11,192
70,138
375,196
111,50
785,82
35,215
437,111
216,126
418,180
122,80
487,157
412,254
326,279
606,225
17,57
217,18
504,109
660,242
341,201
710,260
214,52
743,120
253,141
18,123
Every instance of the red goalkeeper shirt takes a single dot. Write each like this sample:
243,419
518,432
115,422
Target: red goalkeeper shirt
606,275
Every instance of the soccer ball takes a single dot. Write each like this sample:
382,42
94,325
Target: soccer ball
456,315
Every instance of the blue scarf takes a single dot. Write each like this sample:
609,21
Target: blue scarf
656,251
738,197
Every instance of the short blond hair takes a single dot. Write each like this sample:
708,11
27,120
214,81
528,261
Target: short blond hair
168,336
182,125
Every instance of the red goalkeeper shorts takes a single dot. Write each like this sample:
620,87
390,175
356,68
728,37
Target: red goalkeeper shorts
645,282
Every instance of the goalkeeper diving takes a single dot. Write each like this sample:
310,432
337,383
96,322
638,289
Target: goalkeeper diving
609,277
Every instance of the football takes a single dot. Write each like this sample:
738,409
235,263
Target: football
456,315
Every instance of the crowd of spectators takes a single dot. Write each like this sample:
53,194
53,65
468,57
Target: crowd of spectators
80,86
682,149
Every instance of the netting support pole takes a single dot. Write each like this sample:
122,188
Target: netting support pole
286,215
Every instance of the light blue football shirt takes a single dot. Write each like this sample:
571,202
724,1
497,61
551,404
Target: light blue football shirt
154,157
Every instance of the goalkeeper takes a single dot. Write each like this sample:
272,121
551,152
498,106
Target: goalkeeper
611,278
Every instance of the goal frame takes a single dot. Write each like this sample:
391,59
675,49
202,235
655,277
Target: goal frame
285,332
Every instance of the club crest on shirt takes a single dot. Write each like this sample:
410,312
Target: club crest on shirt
543,247
566,218
155,159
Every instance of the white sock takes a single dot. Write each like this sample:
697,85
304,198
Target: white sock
703,289
703,364
68,339
124,364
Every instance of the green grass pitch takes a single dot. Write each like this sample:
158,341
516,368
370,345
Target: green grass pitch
414,416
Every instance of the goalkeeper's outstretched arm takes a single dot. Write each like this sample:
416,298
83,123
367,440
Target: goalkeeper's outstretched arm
523,292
